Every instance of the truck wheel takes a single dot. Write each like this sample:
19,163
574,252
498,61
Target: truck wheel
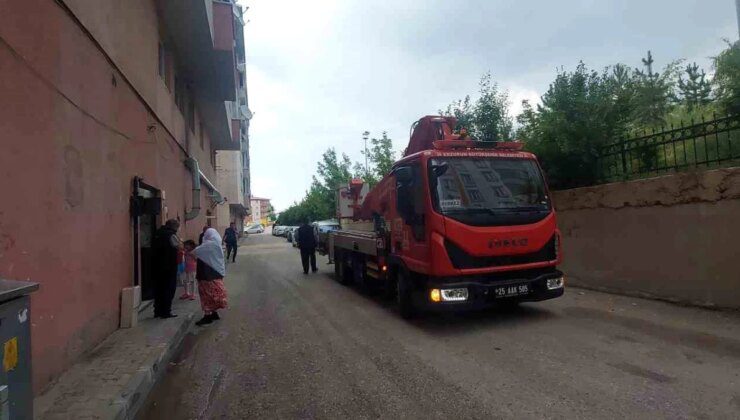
340,268
403,296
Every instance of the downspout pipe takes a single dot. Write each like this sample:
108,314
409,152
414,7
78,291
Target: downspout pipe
192,165
215,194
199,177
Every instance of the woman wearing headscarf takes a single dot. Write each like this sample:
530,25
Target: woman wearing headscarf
210,272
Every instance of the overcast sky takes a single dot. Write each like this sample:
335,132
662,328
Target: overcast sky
321,72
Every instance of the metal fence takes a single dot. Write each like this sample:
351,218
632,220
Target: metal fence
705,144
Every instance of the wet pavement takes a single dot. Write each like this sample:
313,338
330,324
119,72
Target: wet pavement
295,346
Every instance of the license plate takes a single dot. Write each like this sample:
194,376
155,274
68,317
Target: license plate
509,291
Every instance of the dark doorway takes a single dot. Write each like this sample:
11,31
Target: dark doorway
145,213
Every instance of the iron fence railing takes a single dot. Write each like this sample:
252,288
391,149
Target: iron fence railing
705,144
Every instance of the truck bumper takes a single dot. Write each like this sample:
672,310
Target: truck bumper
485,291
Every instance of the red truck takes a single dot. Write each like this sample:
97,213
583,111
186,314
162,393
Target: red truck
457,224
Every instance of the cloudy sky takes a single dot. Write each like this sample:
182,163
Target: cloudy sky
321,72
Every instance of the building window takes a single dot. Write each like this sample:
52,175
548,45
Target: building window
500,192
489,176
467,179
475,195
202,139
162,62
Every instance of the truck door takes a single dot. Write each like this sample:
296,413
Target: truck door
409,229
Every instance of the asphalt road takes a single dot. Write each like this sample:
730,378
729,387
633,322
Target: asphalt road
295,346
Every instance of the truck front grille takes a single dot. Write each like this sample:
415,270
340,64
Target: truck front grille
461,259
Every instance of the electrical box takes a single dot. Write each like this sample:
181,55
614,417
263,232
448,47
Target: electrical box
16,392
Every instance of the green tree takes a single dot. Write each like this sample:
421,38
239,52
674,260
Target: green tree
462,109
366,174
653,93
577,116
727,78
491,112
382,156
695,90
320,199
331,173
270,213
488,118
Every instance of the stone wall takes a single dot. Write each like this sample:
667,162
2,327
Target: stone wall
675,237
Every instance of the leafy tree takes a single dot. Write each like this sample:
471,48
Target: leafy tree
577,116
727,78
653,93
488,118
364,173
696,90
331,173
491,112
270,213
462,109
382,156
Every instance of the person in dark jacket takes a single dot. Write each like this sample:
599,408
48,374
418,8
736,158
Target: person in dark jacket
231,240
307,245
166,246
200,238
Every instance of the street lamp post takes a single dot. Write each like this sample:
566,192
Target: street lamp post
366,135
737,10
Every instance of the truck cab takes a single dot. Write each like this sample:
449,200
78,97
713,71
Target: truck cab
463,224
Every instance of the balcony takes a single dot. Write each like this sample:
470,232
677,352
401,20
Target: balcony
202,34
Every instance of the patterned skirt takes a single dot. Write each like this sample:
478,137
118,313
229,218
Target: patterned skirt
212,295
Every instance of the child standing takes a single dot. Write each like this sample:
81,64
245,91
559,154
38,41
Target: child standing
190,268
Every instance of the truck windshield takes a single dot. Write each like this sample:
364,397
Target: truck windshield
488,191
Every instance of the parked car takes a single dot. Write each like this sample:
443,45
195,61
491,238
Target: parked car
291,235
279,230
321,231
294,236
255,228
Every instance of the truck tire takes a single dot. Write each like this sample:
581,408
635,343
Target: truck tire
403,296
340,268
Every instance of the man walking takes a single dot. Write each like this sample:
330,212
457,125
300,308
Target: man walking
166,245
307,245
231,240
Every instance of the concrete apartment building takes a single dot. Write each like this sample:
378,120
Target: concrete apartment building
232,166
113,115
260,208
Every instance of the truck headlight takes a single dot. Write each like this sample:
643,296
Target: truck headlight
555,283
454,295
434,295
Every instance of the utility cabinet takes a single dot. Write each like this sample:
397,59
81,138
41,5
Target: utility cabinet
16,392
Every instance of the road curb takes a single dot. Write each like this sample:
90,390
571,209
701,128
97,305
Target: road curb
136,391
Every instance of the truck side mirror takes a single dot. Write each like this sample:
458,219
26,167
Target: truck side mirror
439,170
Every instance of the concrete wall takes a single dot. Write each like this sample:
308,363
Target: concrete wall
129,32
673,237
228,175
74,134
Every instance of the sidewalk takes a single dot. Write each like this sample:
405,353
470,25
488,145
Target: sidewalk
113,380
